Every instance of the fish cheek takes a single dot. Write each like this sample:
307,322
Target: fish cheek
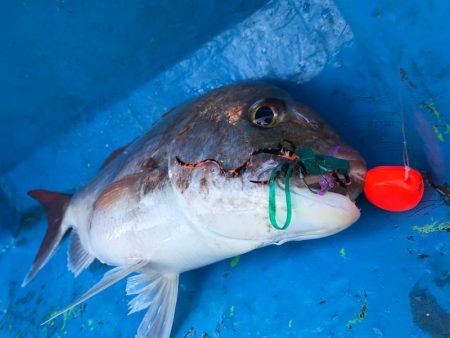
204,184
153,181
182,182
219,141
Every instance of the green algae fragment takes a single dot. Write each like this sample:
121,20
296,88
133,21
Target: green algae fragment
342,252
432,227
432,109
353,321
65,317
231,310
235,261
89,323
441,127
359,317
438,133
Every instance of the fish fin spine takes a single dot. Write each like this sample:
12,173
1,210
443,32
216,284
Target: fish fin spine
55,205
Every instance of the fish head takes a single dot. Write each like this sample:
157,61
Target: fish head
226,145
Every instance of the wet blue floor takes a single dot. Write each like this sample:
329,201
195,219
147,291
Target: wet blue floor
358,65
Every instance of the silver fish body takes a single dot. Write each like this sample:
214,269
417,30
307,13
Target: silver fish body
189,193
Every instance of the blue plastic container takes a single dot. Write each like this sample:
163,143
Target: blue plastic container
79,79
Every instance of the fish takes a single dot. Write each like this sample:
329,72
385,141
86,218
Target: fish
193,191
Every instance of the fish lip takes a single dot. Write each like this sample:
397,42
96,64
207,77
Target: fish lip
309,235
351,191
327,201
339,201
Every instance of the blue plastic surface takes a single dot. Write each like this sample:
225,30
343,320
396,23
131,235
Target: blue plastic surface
80,79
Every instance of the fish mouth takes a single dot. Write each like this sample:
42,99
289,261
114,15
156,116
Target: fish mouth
325,203
326,184
262,162
357,172
317,209
354,182
350,184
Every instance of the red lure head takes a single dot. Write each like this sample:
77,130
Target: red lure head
387,188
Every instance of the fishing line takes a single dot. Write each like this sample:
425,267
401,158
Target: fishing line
405,143
395,188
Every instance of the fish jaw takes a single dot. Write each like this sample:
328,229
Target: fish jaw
314,216
243,212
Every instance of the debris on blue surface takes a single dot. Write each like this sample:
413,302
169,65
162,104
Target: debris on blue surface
80,79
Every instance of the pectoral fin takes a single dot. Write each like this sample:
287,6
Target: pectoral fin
128,190
121,192
110,278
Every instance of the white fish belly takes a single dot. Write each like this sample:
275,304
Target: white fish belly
157,230
179,232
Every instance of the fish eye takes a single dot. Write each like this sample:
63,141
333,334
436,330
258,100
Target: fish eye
265,113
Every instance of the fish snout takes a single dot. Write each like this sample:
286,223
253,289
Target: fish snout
358,168
357,172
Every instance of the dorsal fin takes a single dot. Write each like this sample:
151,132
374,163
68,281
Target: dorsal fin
55,205
114,155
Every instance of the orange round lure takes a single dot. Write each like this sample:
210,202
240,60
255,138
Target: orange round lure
387,188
